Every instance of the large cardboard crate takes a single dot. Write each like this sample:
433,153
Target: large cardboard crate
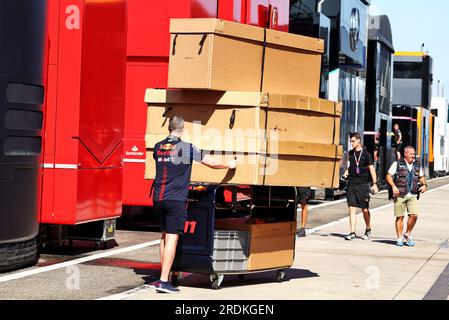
248,151
207,113
245,114
271,245
292,64
215,54
279,140
228,56
261,162
292,163
301,118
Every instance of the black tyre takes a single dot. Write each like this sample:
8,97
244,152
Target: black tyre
18,255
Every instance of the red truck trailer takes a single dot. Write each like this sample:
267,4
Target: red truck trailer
147,65
84,111
97,60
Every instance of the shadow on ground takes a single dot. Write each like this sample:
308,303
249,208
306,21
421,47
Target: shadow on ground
203,281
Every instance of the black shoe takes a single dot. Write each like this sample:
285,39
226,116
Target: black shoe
301,233
166,287
351,236
367,234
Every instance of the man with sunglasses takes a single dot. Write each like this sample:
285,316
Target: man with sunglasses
360,166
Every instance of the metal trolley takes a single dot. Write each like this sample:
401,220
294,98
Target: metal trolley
203,249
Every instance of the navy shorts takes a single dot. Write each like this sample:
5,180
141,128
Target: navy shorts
304,194
358,195
171,215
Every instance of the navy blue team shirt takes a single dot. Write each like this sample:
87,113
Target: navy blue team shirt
174,159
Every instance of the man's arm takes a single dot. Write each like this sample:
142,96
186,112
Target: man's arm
213,163
374,176
423,182
391,172
393,186
346,174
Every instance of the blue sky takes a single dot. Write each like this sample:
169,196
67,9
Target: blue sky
415,22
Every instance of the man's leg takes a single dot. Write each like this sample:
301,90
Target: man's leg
412,208
171,240
162,246
352,219
399,227
352,224
411,223
304,214
367,217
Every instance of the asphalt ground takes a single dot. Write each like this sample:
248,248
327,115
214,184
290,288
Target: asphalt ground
83,272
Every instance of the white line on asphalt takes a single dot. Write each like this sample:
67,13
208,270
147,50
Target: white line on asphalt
326,204
35,271
345,219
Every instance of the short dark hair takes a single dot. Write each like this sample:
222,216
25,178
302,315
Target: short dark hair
355,135
176,124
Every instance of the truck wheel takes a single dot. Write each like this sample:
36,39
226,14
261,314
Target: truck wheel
216,280
280,275
18,255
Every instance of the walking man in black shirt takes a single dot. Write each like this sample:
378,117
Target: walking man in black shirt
360,165
174,159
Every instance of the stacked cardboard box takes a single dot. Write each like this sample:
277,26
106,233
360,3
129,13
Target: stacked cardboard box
227,56
252,93
279,140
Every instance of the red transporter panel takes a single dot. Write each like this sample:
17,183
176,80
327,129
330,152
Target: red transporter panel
232,10
268,13
84,111
148,43
147,65
279,14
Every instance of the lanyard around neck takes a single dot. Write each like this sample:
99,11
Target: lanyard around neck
357,161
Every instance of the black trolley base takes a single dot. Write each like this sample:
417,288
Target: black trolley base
225,231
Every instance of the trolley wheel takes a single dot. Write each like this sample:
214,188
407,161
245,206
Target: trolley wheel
280,275
216,280
176,278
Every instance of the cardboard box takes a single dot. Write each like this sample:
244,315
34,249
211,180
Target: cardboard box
249,152
271,245
227,56
292,64
207,113
245,114
302,164
262,162
279,140
305,119
215,54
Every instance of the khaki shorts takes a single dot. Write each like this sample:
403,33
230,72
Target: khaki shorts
407,204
